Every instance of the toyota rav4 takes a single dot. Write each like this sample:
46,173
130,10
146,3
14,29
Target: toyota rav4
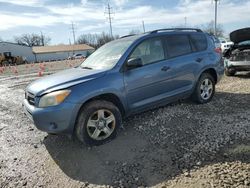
123,77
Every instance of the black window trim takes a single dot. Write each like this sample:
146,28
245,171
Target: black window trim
124,67
182,34
192,42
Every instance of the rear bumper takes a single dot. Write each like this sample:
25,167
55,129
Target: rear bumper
220,70
57,119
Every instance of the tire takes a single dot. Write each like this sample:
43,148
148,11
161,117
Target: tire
204,89
98,122
230,71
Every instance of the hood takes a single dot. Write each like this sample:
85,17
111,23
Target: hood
240,35
63,79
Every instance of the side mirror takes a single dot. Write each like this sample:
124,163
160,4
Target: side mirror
134,62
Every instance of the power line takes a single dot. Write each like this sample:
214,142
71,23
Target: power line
73,32
109,11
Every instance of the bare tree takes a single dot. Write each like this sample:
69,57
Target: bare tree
95,40
103,39
32,39
209,28
134,32
90,39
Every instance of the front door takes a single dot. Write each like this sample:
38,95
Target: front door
147,84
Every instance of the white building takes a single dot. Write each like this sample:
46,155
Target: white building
60,52
45,53
17,50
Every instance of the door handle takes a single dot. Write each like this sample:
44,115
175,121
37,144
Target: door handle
199,59
165,68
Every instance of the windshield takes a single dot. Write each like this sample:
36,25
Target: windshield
107,56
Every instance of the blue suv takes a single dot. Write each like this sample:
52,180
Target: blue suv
123,77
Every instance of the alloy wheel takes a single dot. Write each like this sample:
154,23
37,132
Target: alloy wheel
101,124
206,89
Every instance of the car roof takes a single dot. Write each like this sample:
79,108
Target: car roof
159,32
162,32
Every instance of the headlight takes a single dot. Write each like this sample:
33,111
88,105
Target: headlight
54,98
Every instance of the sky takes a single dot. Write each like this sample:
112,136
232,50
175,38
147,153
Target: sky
54,17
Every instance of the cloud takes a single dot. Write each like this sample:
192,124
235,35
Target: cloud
120,3
84,2
32,3
89,15
11,21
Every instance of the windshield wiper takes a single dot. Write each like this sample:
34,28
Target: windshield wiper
86,68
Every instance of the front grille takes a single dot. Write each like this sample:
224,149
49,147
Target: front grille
30,98
241,56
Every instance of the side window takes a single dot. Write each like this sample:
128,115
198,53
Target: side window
149,51
178,45
199,41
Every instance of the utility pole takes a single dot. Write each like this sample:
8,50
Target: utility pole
109,17
215,17
185,21
143,26
42,38
73,32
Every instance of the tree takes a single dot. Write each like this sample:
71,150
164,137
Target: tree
32,40
103,39
89,39
134,32
95,40
209,28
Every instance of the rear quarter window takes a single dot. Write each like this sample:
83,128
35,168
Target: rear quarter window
177,45
199,42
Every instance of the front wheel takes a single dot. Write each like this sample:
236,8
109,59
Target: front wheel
98,122
204,90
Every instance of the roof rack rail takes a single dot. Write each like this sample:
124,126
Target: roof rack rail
176,29
127,36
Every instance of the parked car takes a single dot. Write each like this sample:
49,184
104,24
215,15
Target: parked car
225,45
123,77
237,58
77,56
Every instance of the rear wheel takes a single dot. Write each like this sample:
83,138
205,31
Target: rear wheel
230,71
204,90
98,122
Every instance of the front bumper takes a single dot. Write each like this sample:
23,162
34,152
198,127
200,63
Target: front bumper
238,65
58,119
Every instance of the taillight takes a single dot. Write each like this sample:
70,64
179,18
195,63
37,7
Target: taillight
218,50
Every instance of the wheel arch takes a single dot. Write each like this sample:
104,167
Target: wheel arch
210,71
111,97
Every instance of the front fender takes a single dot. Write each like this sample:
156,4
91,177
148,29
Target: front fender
109,84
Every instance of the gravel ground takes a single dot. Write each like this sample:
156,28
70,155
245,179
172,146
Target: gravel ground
179,145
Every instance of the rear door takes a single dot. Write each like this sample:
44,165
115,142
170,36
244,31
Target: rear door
200,47
182,61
